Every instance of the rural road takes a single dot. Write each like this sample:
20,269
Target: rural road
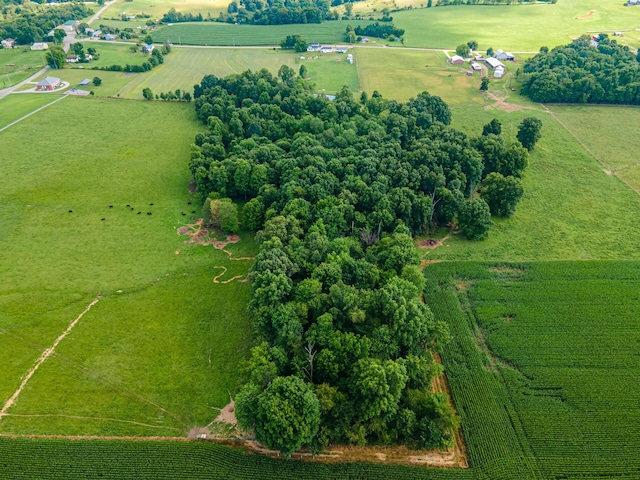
99,12
7,91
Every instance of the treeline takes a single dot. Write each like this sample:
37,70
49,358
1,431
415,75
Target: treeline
437,3
156,58
380,30
585,71
272,12
336,189
31,23
172,16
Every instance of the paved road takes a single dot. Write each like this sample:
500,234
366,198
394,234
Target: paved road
99,12
7,91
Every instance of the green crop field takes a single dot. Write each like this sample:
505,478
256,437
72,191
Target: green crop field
157,353
16,64
185,67
401,74
515,27
224,34
556,345
611,144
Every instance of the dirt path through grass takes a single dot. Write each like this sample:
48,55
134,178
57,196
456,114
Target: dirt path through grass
606,167
43,356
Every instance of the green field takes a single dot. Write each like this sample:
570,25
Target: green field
16,64
158,352
113,54
158,8
13,107
552,348
224,34
515,27
611,145
402,74
330,72
185,67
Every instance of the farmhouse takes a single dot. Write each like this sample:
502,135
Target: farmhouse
108,36
493,63
96,33
148,48
502,55
73,59
341,49
8,43
39,46
456,60
326,49
313,47
48,83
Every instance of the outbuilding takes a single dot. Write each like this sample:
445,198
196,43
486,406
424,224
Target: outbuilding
502,55
456,60
85,82
39,46
498,72
8,43
493,63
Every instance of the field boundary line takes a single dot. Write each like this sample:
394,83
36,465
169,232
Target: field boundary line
43,356
607,168
80,417
31,113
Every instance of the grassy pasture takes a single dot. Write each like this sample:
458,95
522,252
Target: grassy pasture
515,27
162,351
114,54
224,34
603,130
330,72
401,74
13,107
158,8
16,64
185,67
570,210
112,82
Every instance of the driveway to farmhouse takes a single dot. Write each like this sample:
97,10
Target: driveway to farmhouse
7,91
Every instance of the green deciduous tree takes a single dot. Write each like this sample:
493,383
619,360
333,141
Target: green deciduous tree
147,93
287,415
493,127
463,50
484,84
97,81
474,219
55,57
502,194
529,132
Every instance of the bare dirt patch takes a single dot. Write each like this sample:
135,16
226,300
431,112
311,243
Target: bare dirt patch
502,104
433,243
202,234
586,16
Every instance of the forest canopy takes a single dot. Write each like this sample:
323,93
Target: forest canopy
588,70
336,188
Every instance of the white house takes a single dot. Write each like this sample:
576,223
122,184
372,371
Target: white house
498,72
493,63
326,49
148,48
502,55
476,66
313,47
341,49
456,60
8,43
39,46
108,36
73,59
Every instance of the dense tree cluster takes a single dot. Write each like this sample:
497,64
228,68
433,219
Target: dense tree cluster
585,71
437,3
380,30
173,16
31,22
276,12
335,189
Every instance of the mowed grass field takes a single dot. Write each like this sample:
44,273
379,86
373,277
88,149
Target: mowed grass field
603,131
401,74
225,34
330,72
184,67
158,352
13,107
16,64
515,27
